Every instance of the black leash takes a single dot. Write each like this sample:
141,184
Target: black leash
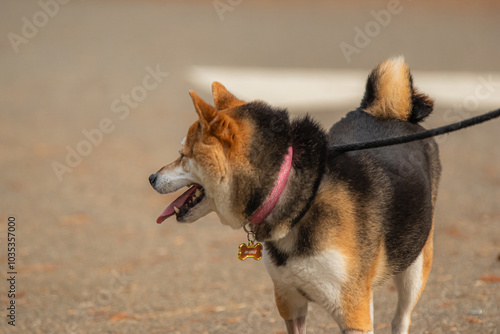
417,136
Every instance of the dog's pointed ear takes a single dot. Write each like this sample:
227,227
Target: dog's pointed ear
204,110
223,99
215,124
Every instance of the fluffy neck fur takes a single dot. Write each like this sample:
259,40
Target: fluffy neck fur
269,147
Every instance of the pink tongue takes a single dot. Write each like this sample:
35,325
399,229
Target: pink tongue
180,201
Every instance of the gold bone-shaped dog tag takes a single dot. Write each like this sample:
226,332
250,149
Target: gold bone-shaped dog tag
251,250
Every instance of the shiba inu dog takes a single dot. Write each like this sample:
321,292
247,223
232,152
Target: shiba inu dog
334,225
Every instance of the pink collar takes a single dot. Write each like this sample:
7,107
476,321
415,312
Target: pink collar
275,194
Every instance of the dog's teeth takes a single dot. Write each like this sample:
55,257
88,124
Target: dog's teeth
176,209
197,193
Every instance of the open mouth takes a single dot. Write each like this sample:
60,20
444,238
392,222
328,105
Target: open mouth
184,203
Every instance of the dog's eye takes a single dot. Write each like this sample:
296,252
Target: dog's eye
182,154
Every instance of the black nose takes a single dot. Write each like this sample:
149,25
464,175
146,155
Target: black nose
152,179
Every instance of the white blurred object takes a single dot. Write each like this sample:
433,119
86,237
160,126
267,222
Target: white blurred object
320,88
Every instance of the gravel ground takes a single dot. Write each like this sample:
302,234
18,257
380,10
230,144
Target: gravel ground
90,257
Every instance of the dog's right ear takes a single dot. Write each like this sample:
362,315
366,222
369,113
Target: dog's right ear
205,111
223,99
213,123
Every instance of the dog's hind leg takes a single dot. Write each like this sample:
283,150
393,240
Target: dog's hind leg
292,306
410,284
371,309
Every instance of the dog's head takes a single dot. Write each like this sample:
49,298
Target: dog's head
214,150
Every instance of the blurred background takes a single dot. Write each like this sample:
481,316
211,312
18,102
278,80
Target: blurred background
93,98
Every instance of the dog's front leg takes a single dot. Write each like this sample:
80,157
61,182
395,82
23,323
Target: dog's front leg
296,326
292,307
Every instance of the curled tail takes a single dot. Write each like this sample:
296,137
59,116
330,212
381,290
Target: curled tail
390,93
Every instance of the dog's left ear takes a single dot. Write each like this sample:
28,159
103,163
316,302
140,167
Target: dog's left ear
205,111
223,99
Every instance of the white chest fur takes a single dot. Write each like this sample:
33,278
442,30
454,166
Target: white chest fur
320,277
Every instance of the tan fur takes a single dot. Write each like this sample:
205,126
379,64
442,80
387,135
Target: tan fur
201,147
343,236
427,252
204,110
380,269
220,125
338,193
223,99
235,132
282,304
356,309
356,293
237,136
393,90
